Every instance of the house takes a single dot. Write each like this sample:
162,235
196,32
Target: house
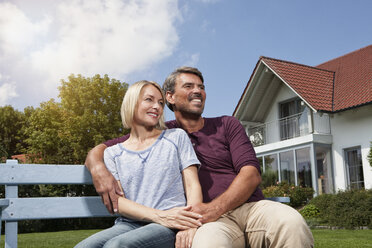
312,125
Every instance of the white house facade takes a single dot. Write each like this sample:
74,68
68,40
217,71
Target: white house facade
309,125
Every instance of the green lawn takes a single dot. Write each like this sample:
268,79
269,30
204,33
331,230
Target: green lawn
342,238
323,239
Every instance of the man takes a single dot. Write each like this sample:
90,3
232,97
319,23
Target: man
234,211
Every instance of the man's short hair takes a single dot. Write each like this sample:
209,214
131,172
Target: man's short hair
170,81
130,102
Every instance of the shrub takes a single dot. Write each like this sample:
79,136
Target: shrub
299,195
309,211
349,209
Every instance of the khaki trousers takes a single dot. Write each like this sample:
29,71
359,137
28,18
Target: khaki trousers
258,224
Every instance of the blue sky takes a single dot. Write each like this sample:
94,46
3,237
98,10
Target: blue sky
42,42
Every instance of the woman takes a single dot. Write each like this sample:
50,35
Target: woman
156,168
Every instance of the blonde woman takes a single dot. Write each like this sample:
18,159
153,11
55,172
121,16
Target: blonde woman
157,171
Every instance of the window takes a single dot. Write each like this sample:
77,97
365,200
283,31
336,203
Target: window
293,119
324,170
287,170
304,167
261,164
354,168
271,170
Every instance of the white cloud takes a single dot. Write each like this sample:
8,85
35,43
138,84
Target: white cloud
114,37
7,92
17,32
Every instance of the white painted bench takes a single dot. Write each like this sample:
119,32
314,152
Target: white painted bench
14,209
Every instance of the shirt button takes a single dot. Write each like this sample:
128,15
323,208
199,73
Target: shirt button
193,144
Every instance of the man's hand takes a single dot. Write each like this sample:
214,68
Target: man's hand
105,184
209,211
107,187
184,238
239,191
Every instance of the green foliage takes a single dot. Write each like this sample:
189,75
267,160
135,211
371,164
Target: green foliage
370,156
349,209
93,107
309,211
11,135
299,195
88,114
46,133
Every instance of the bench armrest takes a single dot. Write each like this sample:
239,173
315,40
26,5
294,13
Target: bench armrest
282,199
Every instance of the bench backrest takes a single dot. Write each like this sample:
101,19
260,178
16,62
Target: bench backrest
14,209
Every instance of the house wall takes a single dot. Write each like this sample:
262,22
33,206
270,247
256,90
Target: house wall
351,128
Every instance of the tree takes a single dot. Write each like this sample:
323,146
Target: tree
11,135
46,134
89,113
93,107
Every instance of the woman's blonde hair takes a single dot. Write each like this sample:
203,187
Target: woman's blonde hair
130,103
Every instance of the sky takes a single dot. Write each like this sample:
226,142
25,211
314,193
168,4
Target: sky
43,41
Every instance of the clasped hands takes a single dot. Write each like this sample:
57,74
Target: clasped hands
187,220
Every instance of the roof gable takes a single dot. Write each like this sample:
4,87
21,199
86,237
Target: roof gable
312,84
339,84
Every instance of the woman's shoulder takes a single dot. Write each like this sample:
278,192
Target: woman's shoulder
174,133
114,150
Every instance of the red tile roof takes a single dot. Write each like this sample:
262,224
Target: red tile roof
314,85
353,78
342,83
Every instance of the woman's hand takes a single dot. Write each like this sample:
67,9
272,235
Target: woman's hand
179,218
184,238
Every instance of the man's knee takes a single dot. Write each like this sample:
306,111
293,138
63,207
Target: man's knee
292,229
216,235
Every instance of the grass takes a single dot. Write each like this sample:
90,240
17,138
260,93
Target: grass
324,238
65,239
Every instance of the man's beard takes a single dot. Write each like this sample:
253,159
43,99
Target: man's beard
186,109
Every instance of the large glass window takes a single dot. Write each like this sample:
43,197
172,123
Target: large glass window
287,170
324,170
261,164
271,170
303,167
353,159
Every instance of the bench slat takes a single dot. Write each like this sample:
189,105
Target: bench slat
44,174
54,208
4,203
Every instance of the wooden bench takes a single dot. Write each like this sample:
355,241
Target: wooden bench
14,209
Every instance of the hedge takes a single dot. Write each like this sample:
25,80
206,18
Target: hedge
347,209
